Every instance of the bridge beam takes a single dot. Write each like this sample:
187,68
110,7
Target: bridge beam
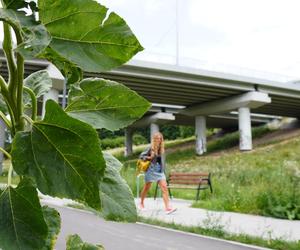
252,99
158,118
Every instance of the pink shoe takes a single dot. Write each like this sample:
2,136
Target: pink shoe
170,210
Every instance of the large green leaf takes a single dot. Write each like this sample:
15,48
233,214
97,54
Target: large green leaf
82,33
39,82
116,196
22,225
53,222
70,71
63,156
105,104
35,36
74,242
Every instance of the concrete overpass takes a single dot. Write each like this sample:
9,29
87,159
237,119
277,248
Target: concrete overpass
205,97
202,98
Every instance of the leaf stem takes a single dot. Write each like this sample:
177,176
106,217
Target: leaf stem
10,167
8,51
33,102
20,124
6,121
7,99
10,92
5,152
27,118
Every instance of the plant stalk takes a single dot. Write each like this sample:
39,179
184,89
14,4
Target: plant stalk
8,51
20,123
5,152
7,99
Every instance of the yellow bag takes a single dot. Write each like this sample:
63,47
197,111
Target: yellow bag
142,165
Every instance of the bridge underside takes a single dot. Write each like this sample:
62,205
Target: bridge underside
196,91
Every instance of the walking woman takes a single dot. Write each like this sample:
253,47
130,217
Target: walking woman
155,172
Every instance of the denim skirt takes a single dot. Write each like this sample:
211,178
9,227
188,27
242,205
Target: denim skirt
154,173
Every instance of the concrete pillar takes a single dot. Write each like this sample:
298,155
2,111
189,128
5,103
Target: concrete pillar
153,129
245,129
2,141
128,141
200,131
52,94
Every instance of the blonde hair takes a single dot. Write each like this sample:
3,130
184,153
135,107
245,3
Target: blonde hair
157,145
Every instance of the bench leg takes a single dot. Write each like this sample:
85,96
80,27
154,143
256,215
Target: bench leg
209,183
198,193
210,186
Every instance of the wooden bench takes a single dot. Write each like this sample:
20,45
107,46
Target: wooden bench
197,181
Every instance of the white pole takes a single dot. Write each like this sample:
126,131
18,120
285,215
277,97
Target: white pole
128,141
245,129
200,131
153,129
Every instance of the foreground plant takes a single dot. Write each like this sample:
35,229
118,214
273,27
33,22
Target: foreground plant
60,155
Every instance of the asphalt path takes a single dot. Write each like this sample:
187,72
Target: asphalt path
132,236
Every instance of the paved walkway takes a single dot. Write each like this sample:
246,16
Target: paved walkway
236,223
134,236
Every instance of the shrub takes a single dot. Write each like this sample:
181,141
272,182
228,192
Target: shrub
109,143
139,139
186,131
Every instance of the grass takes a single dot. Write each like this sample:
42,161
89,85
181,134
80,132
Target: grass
265,181
218,232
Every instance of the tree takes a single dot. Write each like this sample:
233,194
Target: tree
61,155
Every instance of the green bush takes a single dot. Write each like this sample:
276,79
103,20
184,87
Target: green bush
186,131
139,139
232,139
170,132
116,142
109,143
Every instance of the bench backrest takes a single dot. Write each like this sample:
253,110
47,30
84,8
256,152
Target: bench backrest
189,178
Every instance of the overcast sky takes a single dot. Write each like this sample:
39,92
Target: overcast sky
259,37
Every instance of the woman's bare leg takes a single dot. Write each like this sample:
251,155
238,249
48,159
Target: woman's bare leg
144,192
165,193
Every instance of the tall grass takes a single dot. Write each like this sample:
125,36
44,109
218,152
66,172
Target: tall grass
279,244
265,181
